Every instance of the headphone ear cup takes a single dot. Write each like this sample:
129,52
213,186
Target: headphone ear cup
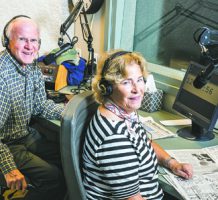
105,87
39,43
5,41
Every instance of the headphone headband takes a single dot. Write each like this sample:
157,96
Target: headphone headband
109,59
105,86
5,39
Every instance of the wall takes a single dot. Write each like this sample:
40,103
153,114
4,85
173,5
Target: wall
50,14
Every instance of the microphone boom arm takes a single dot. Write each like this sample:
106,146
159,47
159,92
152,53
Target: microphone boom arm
87,36
70,19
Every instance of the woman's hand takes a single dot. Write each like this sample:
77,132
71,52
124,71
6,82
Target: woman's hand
181,169
184,170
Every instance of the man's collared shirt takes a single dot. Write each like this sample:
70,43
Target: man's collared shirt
22,94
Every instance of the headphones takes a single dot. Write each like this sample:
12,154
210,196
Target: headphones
5,39
105,86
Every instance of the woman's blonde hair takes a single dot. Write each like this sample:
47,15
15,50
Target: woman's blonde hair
115,71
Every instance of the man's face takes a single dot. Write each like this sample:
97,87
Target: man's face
24,42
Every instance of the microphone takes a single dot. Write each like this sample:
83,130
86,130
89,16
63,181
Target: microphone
204,76
206,37
51,57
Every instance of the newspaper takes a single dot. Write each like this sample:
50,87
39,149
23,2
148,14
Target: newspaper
202,160
156,130
204,184
203,187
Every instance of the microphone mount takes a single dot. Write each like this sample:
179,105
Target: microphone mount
70,19
87,36
206,38
80,9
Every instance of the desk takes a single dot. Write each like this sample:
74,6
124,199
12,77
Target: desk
68,89
48,128
167,143
175,143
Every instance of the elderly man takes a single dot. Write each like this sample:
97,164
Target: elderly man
24,153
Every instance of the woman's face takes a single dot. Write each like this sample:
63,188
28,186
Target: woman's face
129,93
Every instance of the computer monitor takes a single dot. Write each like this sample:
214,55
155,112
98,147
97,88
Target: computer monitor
200,105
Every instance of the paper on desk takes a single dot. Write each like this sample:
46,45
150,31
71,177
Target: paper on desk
203,184
155,129
176,122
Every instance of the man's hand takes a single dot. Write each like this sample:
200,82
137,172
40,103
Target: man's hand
15,180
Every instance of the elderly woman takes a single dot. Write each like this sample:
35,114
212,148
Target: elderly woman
119,160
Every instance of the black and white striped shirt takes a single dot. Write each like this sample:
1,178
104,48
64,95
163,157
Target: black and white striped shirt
119,162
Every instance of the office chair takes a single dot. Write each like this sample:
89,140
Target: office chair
76,118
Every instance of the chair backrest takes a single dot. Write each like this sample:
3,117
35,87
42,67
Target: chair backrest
75,121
